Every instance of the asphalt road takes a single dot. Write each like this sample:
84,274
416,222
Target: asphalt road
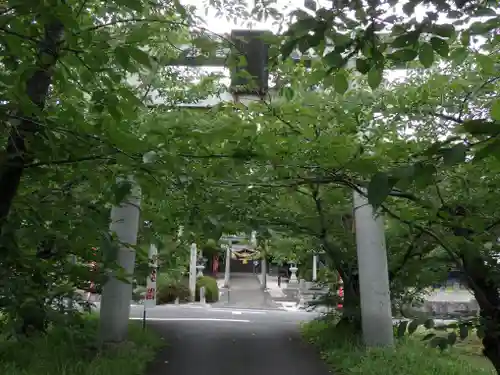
225,341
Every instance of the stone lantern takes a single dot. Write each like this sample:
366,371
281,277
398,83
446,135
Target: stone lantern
293,277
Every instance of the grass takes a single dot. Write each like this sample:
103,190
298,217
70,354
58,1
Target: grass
469,349
65,351
410,356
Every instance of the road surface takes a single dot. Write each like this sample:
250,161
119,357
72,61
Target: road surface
228,341
244,292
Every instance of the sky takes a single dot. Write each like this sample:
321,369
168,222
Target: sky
221,25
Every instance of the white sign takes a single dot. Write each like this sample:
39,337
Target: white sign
150,297
192,270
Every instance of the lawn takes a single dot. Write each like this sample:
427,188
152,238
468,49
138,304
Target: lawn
73,351
410,356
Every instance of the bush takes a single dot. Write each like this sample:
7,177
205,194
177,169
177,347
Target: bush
211,288
138,293
72,350
168,293
410,357
307,275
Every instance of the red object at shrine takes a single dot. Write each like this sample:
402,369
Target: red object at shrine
93,267
150,294
215,264
340,293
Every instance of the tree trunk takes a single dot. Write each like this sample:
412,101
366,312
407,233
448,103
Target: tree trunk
351,309
486,291
22,124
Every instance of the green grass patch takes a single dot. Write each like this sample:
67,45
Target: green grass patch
73,351
469,349
410,356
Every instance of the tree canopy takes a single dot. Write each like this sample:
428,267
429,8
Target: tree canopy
398,99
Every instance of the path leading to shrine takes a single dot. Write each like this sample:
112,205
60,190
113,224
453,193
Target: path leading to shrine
245,292
225,341
243,334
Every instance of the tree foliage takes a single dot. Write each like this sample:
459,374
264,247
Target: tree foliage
88,98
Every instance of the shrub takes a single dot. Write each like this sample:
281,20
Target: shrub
409,356
138,293
307,275
211,288
167,293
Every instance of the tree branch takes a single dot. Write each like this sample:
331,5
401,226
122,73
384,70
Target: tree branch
407,256
70,161
470,93
446,117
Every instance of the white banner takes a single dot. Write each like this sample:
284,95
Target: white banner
150,297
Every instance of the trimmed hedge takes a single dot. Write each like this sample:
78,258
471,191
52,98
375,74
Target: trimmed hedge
167,293
211,288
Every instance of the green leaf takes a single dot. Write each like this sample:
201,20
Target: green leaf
302,26
341,82
495,110
131,4
486,62
121,190
426,55
139,56
406,40
287,48
458,55
109,247
412,327
455,154
444,30
122,57
492,148
424,174
465,38
287,92
440,46
341,40
379,188
481,127
403,55
114,111
138,34
409,7
402,328
483,27
403,172
375,76
484,12
309,41
334,59
362,66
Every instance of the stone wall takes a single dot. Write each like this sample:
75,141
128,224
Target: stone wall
444,303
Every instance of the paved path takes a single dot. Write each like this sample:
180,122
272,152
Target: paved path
211,341
275,290
244,292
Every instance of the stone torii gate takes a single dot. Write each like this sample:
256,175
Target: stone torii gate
369,228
